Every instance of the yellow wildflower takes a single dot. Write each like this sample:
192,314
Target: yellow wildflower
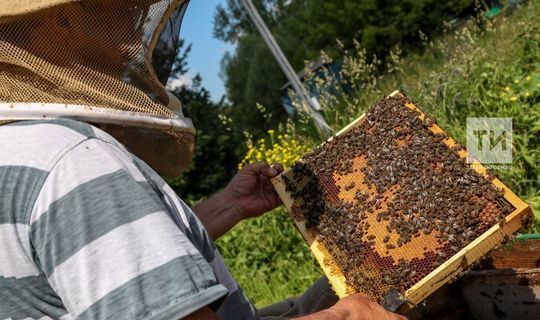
516,81
507,88
527,93
528,78
514,98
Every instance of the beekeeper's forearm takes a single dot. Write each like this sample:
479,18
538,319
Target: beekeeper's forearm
218,214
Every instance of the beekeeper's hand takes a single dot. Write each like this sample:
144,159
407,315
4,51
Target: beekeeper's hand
252,191
354,307
249,194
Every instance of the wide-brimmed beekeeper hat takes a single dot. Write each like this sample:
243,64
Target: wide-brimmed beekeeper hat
101,61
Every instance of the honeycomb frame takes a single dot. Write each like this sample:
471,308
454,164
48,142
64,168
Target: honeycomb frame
450,268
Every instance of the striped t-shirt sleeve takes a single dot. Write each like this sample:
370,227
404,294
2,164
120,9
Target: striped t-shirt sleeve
108,248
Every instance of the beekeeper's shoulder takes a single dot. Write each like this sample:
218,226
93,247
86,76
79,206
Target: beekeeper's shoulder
41,143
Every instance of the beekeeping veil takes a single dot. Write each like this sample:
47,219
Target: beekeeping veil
99,61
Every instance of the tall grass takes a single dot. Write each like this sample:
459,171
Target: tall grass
482,69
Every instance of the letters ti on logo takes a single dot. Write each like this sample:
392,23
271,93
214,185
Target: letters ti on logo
489,140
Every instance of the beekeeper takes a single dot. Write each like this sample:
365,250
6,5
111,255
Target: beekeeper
88,228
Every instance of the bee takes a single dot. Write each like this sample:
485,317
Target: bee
350,186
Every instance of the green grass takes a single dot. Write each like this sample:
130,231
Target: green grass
470,72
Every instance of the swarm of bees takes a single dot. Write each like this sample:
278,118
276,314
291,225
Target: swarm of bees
388,185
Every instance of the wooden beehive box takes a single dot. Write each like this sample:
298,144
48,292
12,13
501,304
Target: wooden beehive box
506,285
419,249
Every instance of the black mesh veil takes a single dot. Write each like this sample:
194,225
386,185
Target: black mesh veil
168,44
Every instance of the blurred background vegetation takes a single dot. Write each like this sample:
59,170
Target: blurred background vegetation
448,57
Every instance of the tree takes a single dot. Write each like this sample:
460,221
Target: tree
253,83
305,27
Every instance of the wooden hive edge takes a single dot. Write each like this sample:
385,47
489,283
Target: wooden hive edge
451,267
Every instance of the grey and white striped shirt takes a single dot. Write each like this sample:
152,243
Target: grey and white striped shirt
89,231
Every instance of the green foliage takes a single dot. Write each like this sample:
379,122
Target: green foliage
377,25
305,27
468,72
232,20
253,83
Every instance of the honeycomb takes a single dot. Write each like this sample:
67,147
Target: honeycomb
390,200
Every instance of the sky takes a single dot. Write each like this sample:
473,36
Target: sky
206,51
